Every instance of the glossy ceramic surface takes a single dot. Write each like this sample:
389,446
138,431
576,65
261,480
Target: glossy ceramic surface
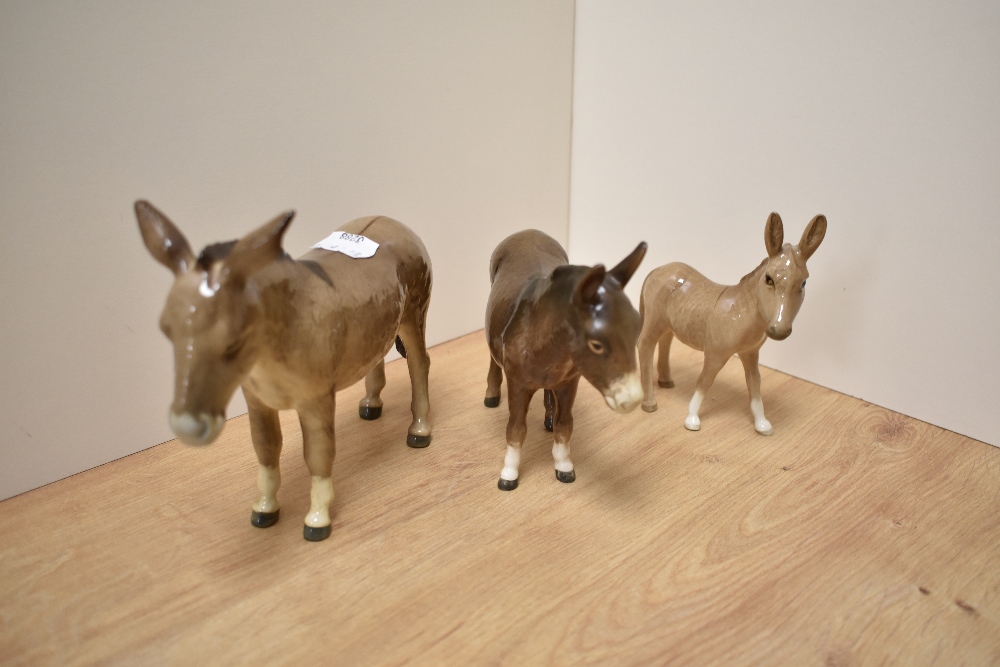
548,324
723,320
290,333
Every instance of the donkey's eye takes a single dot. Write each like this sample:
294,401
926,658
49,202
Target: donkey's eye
596,346
769,280
803,285
233,350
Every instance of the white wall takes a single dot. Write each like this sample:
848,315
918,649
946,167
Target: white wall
694,120
453,117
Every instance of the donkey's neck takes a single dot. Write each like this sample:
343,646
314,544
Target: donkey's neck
550,329
750,279
744,289
743,296
285,292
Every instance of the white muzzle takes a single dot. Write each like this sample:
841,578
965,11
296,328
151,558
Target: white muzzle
625,393
196,430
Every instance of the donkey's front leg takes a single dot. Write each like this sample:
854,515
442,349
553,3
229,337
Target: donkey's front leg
563,429
550,409
714,361
646,346
752,372
265,432
318,447
518,399
371,405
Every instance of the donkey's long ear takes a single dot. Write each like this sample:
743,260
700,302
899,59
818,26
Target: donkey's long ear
625,268
774,235
812,236
162,238
585,293
257,249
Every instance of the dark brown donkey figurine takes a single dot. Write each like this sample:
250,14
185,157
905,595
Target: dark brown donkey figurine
723,320
291,332
548,323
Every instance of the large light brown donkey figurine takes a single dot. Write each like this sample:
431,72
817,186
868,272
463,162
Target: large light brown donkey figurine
291,332
723,320
548,323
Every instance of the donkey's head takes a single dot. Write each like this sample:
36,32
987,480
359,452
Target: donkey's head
210,317
781,286
605,330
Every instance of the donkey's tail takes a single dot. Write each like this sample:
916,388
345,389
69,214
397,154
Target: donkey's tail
400,347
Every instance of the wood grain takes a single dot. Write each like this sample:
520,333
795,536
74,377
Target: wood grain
853,535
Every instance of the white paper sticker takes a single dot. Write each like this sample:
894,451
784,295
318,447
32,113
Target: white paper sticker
352,245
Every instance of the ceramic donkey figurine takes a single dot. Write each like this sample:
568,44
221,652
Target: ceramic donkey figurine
291,333
548,323
725,320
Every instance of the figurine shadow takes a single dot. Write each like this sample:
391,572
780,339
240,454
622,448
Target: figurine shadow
594,422
365,450
536,458
728,397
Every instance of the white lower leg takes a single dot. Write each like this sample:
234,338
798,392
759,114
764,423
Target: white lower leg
321,496
693,423
268,481
511,462
760,423
560,453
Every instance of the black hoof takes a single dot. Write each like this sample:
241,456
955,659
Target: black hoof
370,413
264,519
418,441
492,402
507,484
666,384
566,477
315,534
548,423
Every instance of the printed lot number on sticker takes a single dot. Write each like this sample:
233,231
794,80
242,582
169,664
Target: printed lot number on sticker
352,245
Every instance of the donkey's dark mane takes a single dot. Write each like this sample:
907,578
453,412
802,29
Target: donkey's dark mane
749,275
213,253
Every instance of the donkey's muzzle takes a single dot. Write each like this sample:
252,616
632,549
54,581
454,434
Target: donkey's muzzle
625,393
774,333
198,429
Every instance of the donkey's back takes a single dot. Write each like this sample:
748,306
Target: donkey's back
401,258
526,253
678,297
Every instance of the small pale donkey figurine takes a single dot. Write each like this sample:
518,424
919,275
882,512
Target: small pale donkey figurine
548,324
723,320
291,333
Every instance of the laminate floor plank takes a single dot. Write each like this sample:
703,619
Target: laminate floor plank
853,535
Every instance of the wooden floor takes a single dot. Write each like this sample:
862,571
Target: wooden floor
853,535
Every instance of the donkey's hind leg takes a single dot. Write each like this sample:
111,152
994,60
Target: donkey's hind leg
648,338
663,361
493,381
411,331
550,408
371,405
